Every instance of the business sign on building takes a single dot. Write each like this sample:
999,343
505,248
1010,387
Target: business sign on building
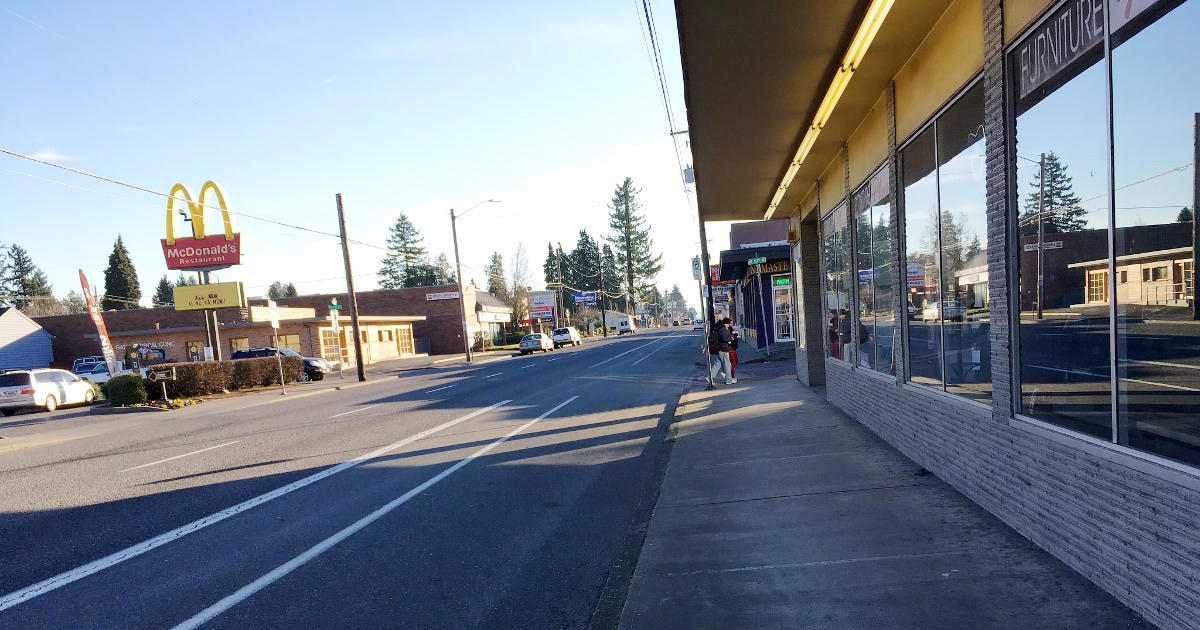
200,252
197,297
584,298
541,305
916,275
445,295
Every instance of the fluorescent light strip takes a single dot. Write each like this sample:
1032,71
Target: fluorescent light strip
863,37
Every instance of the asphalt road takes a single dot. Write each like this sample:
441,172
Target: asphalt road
507,494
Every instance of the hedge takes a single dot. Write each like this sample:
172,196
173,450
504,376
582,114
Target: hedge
124,390
209,377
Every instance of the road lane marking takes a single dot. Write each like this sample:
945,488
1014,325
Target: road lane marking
554,359
526,367
1163,363
161,461
80,572
493,375
633,350
1119,378
649,353
346,413
439,389
243,593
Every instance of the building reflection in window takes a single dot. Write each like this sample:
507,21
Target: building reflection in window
835,252
1157,333
876,273
918,177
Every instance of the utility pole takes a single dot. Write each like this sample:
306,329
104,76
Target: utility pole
358,354
561,301
462,295
600,296
1041,231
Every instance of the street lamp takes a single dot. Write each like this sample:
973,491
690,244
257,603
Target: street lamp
462,295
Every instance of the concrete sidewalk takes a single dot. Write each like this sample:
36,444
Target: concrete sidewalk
778,511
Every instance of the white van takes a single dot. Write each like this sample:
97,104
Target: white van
626,326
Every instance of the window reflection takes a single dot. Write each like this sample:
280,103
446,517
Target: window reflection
1061,175
1158,337
835,248
923,275
876,274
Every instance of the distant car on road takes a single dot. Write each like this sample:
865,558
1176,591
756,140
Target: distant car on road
536,341
698,324
83,365
45,388
568,336
948,310
315,368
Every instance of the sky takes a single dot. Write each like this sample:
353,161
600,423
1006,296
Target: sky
400,107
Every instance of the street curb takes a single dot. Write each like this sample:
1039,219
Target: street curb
107,410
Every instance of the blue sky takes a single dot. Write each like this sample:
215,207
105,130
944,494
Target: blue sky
401,107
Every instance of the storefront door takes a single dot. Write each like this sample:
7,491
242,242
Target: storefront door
783,312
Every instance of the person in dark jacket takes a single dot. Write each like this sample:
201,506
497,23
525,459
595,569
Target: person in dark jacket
719,347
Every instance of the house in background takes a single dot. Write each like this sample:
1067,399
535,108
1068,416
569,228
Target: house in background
23,343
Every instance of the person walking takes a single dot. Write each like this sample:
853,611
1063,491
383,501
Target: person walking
719,345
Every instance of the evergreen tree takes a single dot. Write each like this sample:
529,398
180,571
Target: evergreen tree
73,302
1185,215
184,280
289,290
442,271
581,268
163,295
497,283
674,301
421,274
121,289
615,298
1060,207
630,238
24,282
44,305
280,290
401,265
4,290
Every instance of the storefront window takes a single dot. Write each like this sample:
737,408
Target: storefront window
1157,339
876,273
798,296
291,342
835,254
918,178
943,178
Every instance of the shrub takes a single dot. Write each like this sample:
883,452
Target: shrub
210,377
125,390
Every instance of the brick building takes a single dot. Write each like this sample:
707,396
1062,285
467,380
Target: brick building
914,147
393,323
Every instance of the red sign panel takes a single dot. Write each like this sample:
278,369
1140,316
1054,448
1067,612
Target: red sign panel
203,253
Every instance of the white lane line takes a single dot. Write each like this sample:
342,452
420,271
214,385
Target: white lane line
243,593
346,413
554,359
1163,363
493,375
439,389
1119,378
647,356
633,350
181,456
527,367
78,573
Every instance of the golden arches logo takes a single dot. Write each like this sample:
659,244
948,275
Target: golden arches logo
197,209
197,251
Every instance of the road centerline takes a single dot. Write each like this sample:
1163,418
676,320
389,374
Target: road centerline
346,413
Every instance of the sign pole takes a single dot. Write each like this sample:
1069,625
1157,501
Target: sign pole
335,311
278,357
762,303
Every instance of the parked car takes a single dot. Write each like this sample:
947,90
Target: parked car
568,336
698,324
99,374
315,368
83,365
948,310
45,388
536,341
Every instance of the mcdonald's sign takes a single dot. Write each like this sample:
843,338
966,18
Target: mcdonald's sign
199,252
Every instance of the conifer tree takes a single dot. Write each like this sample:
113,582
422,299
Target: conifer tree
24,282
1059,204
402,265
630,238
73,302
121,289
163,293
497,283
443,272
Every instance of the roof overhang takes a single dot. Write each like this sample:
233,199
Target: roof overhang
754,75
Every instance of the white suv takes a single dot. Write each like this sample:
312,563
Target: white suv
568,336
45,388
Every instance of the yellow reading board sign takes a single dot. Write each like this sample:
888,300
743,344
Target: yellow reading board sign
218,295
